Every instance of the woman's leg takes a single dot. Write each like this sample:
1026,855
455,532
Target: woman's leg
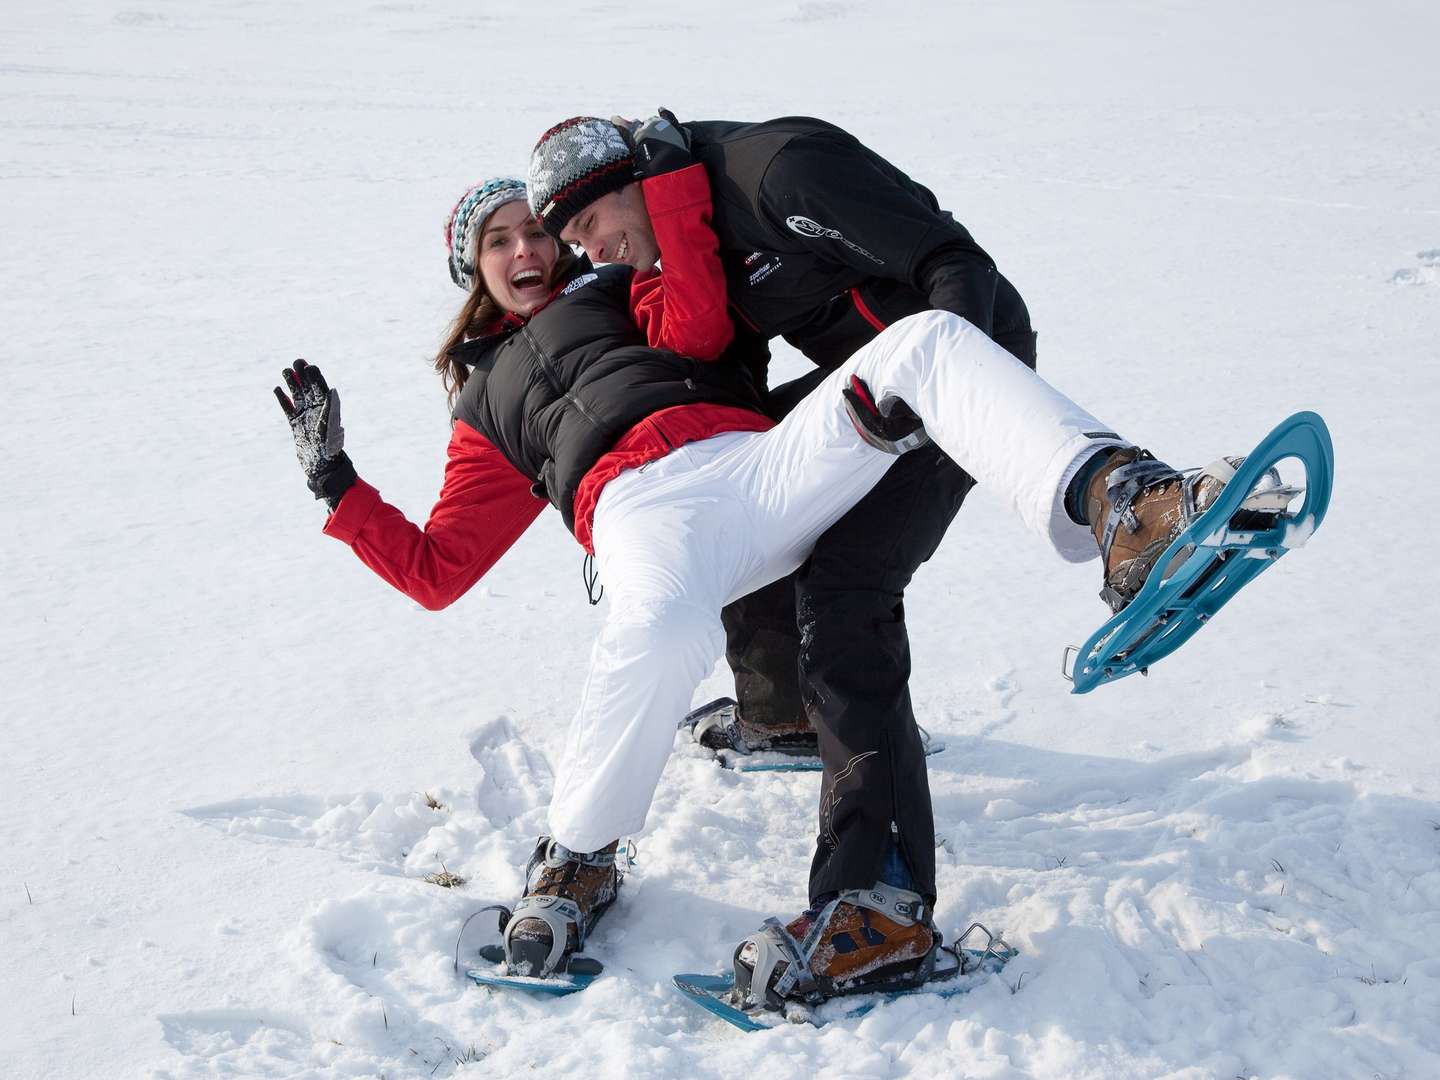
995,418
669,549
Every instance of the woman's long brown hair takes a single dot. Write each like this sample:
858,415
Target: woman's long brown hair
478,312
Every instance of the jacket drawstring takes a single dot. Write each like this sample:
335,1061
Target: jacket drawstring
590,576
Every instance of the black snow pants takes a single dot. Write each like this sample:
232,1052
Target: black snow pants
831,640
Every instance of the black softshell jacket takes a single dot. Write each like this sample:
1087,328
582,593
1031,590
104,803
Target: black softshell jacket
824,242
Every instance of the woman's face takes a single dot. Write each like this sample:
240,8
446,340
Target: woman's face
516,257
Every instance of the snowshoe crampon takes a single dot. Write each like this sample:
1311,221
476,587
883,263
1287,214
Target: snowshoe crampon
954,970
1214,556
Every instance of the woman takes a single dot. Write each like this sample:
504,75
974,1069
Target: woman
624,403
601,395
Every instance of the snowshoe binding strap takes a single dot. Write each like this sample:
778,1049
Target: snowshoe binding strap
566,920
1269,496
550,852
757,984
756,961
901,905
1126,484
719,728
559,914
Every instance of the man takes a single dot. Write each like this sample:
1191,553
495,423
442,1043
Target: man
825,243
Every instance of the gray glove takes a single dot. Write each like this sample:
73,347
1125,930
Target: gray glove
314,415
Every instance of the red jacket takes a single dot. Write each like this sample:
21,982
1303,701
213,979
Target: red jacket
485,503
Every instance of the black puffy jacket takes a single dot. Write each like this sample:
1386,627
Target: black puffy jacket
555,394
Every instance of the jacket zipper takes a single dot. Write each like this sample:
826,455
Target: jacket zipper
547,368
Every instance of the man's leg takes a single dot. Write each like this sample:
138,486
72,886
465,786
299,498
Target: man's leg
855,665
762,647
855,672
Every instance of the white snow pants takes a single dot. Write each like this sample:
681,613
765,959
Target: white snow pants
714,520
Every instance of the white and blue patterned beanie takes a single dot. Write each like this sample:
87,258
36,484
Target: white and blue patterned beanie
467,220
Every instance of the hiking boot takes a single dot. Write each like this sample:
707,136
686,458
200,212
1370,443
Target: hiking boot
566,892
865,940
1137,506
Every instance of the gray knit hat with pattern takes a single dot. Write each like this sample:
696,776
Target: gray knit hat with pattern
467,221
574,163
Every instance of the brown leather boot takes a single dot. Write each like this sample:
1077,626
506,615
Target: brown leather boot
1137,505
866,940
859,942
566,892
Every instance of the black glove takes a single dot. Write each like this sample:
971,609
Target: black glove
890,426
314,417
660,144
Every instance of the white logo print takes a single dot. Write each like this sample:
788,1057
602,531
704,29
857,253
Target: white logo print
829,801
579,283
806,227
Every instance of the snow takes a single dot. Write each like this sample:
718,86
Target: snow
220,730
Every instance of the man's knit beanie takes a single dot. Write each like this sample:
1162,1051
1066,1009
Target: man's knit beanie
575,163
467,221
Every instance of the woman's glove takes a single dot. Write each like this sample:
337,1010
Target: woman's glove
314,415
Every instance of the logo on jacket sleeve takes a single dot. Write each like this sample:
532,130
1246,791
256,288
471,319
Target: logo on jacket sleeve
764,270
814,230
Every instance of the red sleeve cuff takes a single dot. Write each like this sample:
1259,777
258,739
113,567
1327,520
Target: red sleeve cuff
356,506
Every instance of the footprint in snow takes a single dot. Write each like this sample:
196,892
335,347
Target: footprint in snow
1426,273
514,779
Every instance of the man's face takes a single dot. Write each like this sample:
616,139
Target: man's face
615,228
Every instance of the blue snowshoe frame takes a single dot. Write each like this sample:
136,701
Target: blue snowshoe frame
1168,610
556,985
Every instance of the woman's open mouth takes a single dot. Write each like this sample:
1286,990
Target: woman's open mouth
527,281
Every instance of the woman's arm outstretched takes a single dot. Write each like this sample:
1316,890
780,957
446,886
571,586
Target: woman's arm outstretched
485,504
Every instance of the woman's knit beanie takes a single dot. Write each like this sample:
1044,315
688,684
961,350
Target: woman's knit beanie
467,221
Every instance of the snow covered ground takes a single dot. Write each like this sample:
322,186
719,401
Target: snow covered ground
219,728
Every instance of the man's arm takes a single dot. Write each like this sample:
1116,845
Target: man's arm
484,507
852,207
683,307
